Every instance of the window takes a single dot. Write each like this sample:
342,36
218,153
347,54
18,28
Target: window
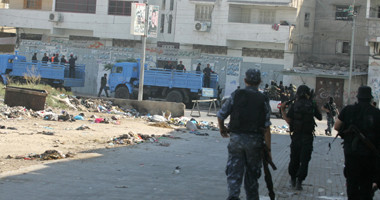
307,19
263,53
5,4
33,4
342,14
211,49
117,70
203,13
162,28
78,6
342,47
120,7
163,5
171,4
267,16
170,24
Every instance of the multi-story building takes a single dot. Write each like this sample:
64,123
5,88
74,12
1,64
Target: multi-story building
232,35
373,17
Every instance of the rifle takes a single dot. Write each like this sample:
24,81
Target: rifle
268,176
340,133
360,136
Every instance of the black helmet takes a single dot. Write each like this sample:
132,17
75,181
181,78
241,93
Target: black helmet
303,90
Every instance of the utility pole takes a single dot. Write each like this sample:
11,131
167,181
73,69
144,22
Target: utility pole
142,68
352,53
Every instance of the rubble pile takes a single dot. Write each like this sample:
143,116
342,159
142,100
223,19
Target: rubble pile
47,155
343,67
19,112
285,130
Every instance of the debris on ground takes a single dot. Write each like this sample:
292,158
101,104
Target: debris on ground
47,155
161,125
83,127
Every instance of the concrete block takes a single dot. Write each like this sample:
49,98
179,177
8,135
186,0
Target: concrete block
152,107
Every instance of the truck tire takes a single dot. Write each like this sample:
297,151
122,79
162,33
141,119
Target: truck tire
122,93
175,96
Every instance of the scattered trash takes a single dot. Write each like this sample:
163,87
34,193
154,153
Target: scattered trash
83,127
321,190
191,126
47,155
329,181
46,133
79,117
165,144
161,125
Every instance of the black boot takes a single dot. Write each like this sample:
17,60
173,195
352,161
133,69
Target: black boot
293,182
299,185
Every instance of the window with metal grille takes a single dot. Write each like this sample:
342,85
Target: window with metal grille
263,53
162,28
341,13
203,13
163,5
77,6
342,47
33,4
211,49
307,20
267,16
170,24
120,7
171,4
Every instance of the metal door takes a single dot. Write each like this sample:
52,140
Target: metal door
327,87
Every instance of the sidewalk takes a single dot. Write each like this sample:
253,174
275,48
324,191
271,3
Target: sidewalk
145,170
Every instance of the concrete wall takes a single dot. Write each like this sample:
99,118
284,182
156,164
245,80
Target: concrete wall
356,82
329,30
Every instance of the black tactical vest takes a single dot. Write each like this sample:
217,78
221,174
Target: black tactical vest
248,114
303,120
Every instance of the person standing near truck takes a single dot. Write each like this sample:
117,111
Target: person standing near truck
45,59
63,60
169,65
72,66
103,85
198,70
207,76
181,66
248,132
34,58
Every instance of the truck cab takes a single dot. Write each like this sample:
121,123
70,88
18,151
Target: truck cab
6,64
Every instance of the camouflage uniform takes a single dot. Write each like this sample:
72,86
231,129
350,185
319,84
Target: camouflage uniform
244,156
244,148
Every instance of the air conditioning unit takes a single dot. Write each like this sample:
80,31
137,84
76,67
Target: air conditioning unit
55,17
202,26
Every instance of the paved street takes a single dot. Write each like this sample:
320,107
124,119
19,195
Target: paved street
146,171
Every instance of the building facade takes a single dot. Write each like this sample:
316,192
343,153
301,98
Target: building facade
231,35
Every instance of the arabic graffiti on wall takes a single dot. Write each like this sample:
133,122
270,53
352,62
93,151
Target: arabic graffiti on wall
374,81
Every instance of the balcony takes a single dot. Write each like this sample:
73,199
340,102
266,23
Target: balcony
373,16
276,3
257,32
107,26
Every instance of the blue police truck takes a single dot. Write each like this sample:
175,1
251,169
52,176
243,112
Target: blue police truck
172,85
16,68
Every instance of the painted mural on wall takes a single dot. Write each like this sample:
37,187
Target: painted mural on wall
232,77
374,79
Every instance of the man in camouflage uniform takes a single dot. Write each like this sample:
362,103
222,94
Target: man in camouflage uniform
248,129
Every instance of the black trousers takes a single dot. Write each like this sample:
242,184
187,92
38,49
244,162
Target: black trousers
359,173
103,87
72,72
300,155
206,82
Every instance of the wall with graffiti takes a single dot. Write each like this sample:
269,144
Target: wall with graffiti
374,80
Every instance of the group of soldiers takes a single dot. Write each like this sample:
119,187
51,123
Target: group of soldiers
249,148
280,92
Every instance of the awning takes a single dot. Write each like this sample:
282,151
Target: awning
321,73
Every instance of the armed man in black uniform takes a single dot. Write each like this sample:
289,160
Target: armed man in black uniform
301,121
248,129
359,157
